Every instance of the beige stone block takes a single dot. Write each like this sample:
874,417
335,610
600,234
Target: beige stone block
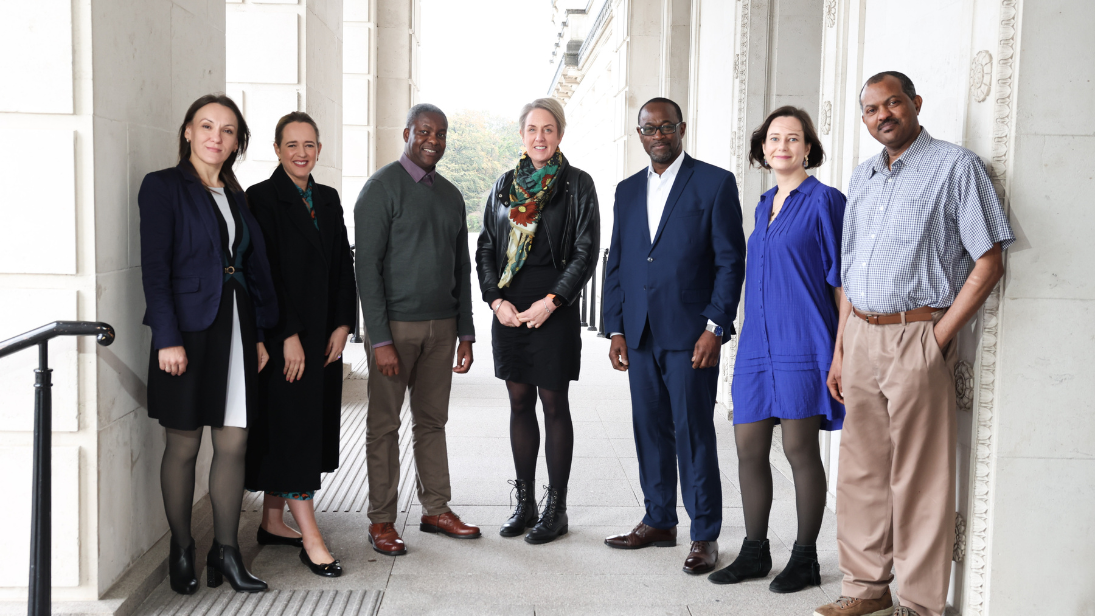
15,517
132,53
356,10
111,195
197,59
1055,56
389,146
264,47
355,100
1045,406
357,48
355,155
279,1
22,310
394,13
130,505
324,59
37,68
149,149
39,239
1048,260
393,101
395,62
122,368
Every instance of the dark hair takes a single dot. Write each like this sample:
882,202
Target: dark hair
289,118
243,135
756,143
658,99
906,84
421,108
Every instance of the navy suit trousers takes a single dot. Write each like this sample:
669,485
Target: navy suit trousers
673,407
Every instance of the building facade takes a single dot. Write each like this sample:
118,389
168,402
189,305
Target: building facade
1010,80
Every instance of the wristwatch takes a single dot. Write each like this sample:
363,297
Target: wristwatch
555,299
715,329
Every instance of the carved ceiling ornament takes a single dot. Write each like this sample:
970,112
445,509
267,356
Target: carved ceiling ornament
963,385
830,13
981,76
826,118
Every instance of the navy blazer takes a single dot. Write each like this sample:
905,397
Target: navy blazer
182,262
693,269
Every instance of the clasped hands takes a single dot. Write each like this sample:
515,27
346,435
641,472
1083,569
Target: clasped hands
533,318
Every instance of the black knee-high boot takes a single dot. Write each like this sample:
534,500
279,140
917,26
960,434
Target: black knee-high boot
553,521
801,571
525,515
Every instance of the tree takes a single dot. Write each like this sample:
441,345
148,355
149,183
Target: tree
481,146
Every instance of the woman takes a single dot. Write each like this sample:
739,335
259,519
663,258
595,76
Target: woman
792,276
295,437
541,233
208,291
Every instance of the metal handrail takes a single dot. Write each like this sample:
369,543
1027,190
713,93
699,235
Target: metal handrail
355,336
38,598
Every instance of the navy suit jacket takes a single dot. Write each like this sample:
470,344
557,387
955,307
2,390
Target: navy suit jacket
181,259
691,271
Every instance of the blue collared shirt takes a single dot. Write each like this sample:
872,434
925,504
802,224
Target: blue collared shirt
912,232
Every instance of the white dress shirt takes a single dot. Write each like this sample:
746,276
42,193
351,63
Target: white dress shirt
657,192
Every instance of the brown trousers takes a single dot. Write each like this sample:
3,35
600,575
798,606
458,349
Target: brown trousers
895,487
426,350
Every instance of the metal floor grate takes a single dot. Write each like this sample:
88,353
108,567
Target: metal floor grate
227,602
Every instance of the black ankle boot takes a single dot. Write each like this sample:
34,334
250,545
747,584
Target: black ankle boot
553,521
801,571
226,562
525,514
180,568
753,561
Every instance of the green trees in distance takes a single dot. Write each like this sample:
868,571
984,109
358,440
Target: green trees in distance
481,146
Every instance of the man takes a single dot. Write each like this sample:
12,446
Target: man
413,273
672,286
923,238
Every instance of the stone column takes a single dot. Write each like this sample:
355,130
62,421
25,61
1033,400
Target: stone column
283,56
93,105
359,99
397,28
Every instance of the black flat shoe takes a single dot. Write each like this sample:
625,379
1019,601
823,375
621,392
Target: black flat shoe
331,570
525,515
801,571
180,567
225,562
753,561
266,537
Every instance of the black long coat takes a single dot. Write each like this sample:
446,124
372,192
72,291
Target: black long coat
296,436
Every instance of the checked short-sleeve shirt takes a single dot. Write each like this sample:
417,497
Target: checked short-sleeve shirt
912,232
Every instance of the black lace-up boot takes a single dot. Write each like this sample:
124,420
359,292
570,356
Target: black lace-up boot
525,515
753,561
553,520
801,571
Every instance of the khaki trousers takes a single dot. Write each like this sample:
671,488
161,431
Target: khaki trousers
426,350
895,487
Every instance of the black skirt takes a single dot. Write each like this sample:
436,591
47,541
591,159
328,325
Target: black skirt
549,356
197,397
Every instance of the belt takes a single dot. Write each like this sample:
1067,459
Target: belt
233,270
909,316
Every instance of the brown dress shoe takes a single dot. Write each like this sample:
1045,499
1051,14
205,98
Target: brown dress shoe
385,539
643,536
702,557
449,524
852,606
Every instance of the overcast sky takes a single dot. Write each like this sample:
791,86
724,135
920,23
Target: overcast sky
489,55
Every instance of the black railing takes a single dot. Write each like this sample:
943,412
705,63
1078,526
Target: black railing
355,336
591,320
38,603
604,271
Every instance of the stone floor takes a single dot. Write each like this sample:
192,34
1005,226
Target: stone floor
577,574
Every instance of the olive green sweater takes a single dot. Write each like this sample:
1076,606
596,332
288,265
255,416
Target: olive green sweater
412,253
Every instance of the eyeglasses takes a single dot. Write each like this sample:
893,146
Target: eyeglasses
666,129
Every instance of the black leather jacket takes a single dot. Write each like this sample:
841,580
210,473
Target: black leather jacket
571,222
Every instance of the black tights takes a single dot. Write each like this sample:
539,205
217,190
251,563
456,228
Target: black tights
524,432
225,481
800,443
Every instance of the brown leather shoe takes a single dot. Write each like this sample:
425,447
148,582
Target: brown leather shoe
385,539
851,606
702,557
643,536
449,524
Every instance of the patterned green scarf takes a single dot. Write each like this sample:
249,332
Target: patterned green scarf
528,195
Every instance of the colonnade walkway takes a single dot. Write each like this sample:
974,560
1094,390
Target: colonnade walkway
576,574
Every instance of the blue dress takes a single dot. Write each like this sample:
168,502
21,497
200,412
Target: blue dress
786,342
